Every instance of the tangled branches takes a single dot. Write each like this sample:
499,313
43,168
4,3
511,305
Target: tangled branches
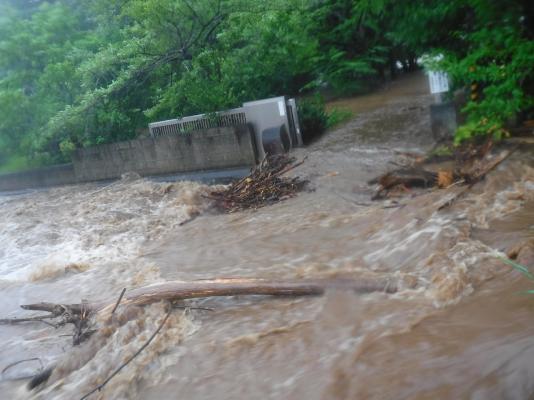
263,186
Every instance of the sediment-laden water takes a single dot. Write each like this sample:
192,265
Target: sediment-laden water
456,329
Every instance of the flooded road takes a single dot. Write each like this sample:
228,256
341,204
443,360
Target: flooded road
456,328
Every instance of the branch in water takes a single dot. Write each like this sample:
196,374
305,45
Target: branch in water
179,290
37,319
118,301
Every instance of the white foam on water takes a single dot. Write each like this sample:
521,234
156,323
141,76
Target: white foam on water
43,234
82,242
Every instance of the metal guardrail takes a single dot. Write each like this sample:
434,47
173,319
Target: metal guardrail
196,122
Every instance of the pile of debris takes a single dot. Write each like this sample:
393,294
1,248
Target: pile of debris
263,186
467,166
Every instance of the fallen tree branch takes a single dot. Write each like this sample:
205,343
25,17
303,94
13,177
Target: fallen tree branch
55,309
79,314
178,290
490,167
99,387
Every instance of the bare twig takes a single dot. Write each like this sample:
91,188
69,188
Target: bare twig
48,323
289,168
193,308
118,301
21,361
456,183
263,161
409,191
99,387
331,174
37,319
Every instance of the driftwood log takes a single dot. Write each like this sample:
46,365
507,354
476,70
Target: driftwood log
179,290
79,314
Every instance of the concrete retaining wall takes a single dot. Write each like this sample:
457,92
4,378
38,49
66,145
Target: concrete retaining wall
204,150
209,149
52,176
443,120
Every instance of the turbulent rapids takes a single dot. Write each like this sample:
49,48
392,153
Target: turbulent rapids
453,328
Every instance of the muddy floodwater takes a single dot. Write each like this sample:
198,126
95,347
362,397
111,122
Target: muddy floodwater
456,329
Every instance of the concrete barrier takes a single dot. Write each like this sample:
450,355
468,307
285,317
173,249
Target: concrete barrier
203,150
51,176
443,120
222,148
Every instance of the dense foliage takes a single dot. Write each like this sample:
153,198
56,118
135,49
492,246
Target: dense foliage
314,119
487,43
82,72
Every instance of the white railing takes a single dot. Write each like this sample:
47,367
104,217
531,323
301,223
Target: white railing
195,122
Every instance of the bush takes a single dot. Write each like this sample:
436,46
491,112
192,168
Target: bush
500,58
312,117
13,164
337,116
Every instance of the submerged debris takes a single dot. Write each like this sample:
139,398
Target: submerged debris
468,166
477,177
263,186
404,177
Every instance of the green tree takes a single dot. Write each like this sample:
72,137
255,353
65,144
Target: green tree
36,78
165,49
475,41
77,73
499,57
351,45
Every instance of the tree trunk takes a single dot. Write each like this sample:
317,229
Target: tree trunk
404,66
412,62
178,290
381,72
392,61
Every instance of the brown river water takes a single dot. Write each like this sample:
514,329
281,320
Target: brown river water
456,329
